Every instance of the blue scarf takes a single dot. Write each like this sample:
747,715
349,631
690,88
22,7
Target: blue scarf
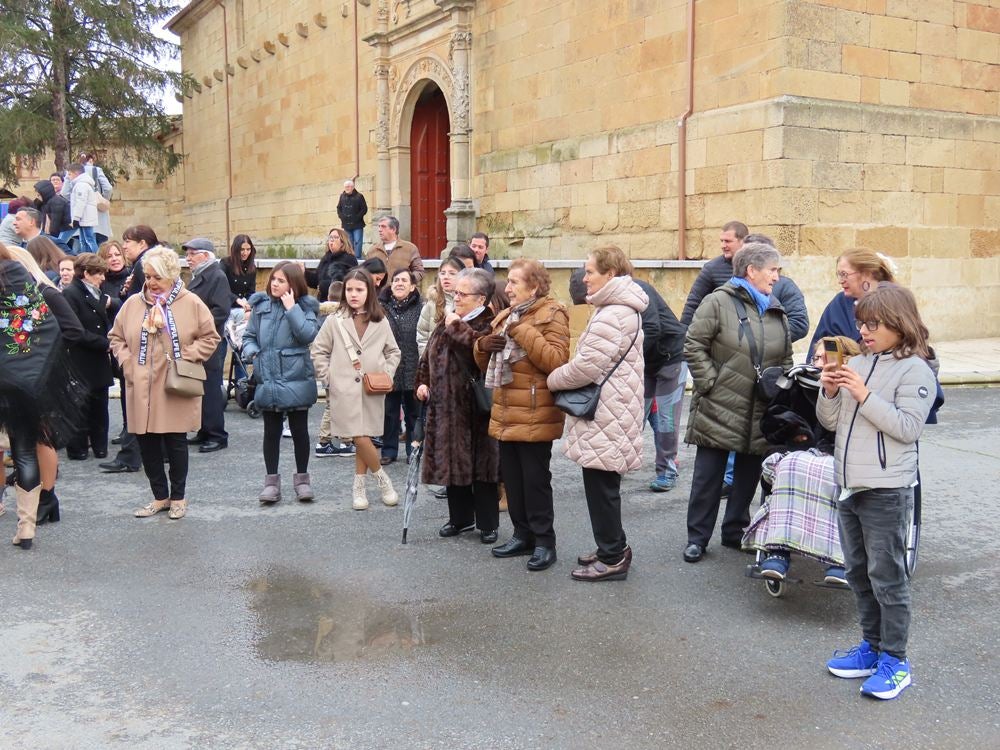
763,301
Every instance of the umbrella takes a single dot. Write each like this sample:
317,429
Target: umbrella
413,473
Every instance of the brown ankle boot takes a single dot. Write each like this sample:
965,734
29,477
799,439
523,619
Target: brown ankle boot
27,510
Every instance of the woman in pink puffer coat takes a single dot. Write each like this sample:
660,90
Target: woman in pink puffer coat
610,444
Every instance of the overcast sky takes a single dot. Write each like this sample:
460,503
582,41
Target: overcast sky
170,104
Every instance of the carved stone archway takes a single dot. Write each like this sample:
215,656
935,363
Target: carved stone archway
404,67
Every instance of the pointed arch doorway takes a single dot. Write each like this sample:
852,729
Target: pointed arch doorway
430,172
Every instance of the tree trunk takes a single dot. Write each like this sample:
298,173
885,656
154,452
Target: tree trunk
59,68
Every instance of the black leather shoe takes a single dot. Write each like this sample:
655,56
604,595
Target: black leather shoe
76,456
488,537
117,440
196,440
542,558
693,552
386,460
450,529
514,547
116,467
441,494
100,454
210,446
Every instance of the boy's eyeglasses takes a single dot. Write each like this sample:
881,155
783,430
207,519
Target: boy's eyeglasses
871,325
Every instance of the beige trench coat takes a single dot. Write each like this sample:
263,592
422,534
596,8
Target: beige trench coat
149,408
352,411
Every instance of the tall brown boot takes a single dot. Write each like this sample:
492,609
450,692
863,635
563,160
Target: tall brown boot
27,510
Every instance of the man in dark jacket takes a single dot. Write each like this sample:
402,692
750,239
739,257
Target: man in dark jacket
55,214
719,270
351,208
663,348
210,285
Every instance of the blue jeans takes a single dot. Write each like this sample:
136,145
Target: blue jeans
88,242
667,388
873,537
357,237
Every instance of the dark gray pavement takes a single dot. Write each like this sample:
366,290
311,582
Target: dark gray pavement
310,626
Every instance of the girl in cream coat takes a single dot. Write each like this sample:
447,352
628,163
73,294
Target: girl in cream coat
357,332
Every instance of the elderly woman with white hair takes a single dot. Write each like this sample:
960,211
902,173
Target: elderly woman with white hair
738,331
163,322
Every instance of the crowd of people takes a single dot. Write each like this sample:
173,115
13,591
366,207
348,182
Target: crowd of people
495,372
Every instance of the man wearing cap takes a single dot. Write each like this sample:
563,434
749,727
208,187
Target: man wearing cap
209,283
351,208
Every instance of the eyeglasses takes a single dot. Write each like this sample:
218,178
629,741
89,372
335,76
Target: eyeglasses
844,275
871,325
463,295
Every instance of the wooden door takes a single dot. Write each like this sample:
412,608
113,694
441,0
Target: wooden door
430,180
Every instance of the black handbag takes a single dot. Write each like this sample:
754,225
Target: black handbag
768,380
582,402
482,397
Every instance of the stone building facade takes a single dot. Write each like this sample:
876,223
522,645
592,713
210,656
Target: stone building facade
554,127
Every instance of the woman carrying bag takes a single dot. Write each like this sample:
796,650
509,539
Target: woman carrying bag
160,332
356,355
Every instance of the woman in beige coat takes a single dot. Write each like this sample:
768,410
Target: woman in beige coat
355,340
610,444
153,326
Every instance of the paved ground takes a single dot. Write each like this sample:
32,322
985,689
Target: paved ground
312,627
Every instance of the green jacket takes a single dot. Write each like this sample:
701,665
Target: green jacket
725,410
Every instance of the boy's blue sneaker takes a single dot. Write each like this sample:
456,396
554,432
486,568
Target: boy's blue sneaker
775,567
891,678
663,483
860,661
835,575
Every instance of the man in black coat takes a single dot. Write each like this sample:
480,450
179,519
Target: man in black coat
56,217
209,283
351,208
663,347
719,270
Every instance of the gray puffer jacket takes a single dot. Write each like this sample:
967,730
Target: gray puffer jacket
277,341
876,443
725,409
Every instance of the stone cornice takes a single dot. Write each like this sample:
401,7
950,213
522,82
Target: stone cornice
194,12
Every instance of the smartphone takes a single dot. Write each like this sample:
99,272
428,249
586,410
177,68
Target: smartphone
834,351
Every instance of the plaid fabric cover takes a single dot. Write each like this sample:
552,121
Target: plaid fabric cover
800,514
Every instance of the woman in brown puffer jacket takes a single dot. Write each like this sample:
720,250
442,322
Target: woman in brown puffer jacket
529,340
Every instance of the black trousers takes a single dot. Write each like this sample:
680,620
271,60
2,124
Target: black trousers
298,424
213,403
604,501
524,468
152,446
23,452
395,401
706,494
129,453
479,502
94,433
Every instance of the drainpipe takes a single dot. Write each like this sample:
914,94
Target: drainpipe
357,98
682,142
229,129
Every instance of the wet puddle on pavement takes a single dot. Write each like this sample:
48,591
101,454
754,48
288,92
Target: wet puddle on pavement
302,620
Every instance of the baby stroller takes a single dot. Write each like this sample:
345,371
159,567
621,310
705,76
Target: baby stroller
799,490
239,387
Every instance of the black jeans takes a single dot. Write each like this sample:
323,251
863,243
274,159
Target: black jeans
395,401
873,537
479,502
152,446
604,501
524,468
94,433
298,423
129,453
213,403
706,494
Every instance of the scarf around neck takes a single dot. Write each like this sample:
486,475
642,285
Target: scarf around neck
763,301
499,372
159,315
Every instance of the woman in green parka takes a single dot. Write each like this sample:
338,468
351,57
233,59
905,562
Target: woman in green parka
738,330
